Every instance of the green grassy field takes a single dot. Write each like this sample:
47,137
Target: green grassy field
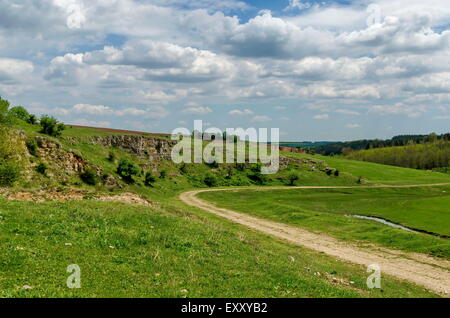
171,250
326,211
165,251
380,174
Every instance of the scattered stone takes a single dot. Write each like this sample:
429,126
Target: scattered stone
184,291
292,259
68,244
26,287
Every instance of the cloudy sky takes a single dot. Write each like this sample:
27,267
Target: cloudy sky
318,70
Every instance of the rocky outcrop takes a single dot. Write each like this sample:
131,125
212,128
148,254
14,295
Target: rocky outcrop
311,164
52,152
154,149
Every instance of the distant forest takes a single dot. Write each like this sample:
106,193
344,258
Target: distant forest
430,155
348,147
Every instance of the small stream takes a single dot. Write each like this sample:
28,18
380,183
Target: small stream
397,226
384,222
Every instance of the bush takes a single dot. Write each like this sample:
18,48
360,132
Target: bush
89,176
149,179
32,119
20,113
336,173
50,126
32,146
210,180
256,175
183,168
292,178
127,170
9,173
4,107
42,168
163,174
112,157
213,165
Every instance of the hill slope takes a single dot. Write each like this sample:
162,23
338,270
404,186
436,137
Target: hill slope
166,249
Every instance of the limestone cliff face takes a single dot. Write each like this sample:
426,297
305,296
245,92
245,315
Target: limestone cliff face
155,149
52,152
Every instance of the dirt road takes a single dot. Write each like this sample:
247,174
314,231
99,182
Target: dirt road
420,269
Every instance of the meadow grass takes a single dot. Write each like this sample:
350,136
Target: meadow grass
171,250
327,210
163,251
380,174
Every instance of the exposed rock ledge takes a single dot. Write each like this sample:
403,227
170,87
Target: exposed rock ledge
72,195
142,146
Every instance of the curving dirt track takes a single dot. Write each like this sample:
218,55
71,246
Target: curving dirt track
420,269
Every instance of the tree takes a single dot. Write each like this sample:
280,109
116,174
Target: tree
149,179
32,119
4,107
293,177
42,168
9,172
89,176
20,113
210,180
111,157
50,126
127,170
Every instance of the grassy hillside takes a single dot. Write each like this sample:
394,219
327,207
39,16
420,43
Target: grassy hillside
163,251
380,174
169,250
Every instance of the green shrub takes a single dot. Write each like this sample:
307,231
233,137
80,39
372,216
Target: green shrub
183,168
50,126
32,146
10,145
210,180
112,157
89,176
127,170
213,165
4,107
9,172
32,119
293,178
20,113
163,174
149,179
256,175
42,168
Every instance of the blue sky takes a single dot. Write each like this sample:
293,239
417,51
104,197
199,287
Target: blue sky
318,70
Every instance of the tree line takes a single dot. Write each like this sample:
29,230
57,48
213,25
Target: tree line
428,155
347,147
